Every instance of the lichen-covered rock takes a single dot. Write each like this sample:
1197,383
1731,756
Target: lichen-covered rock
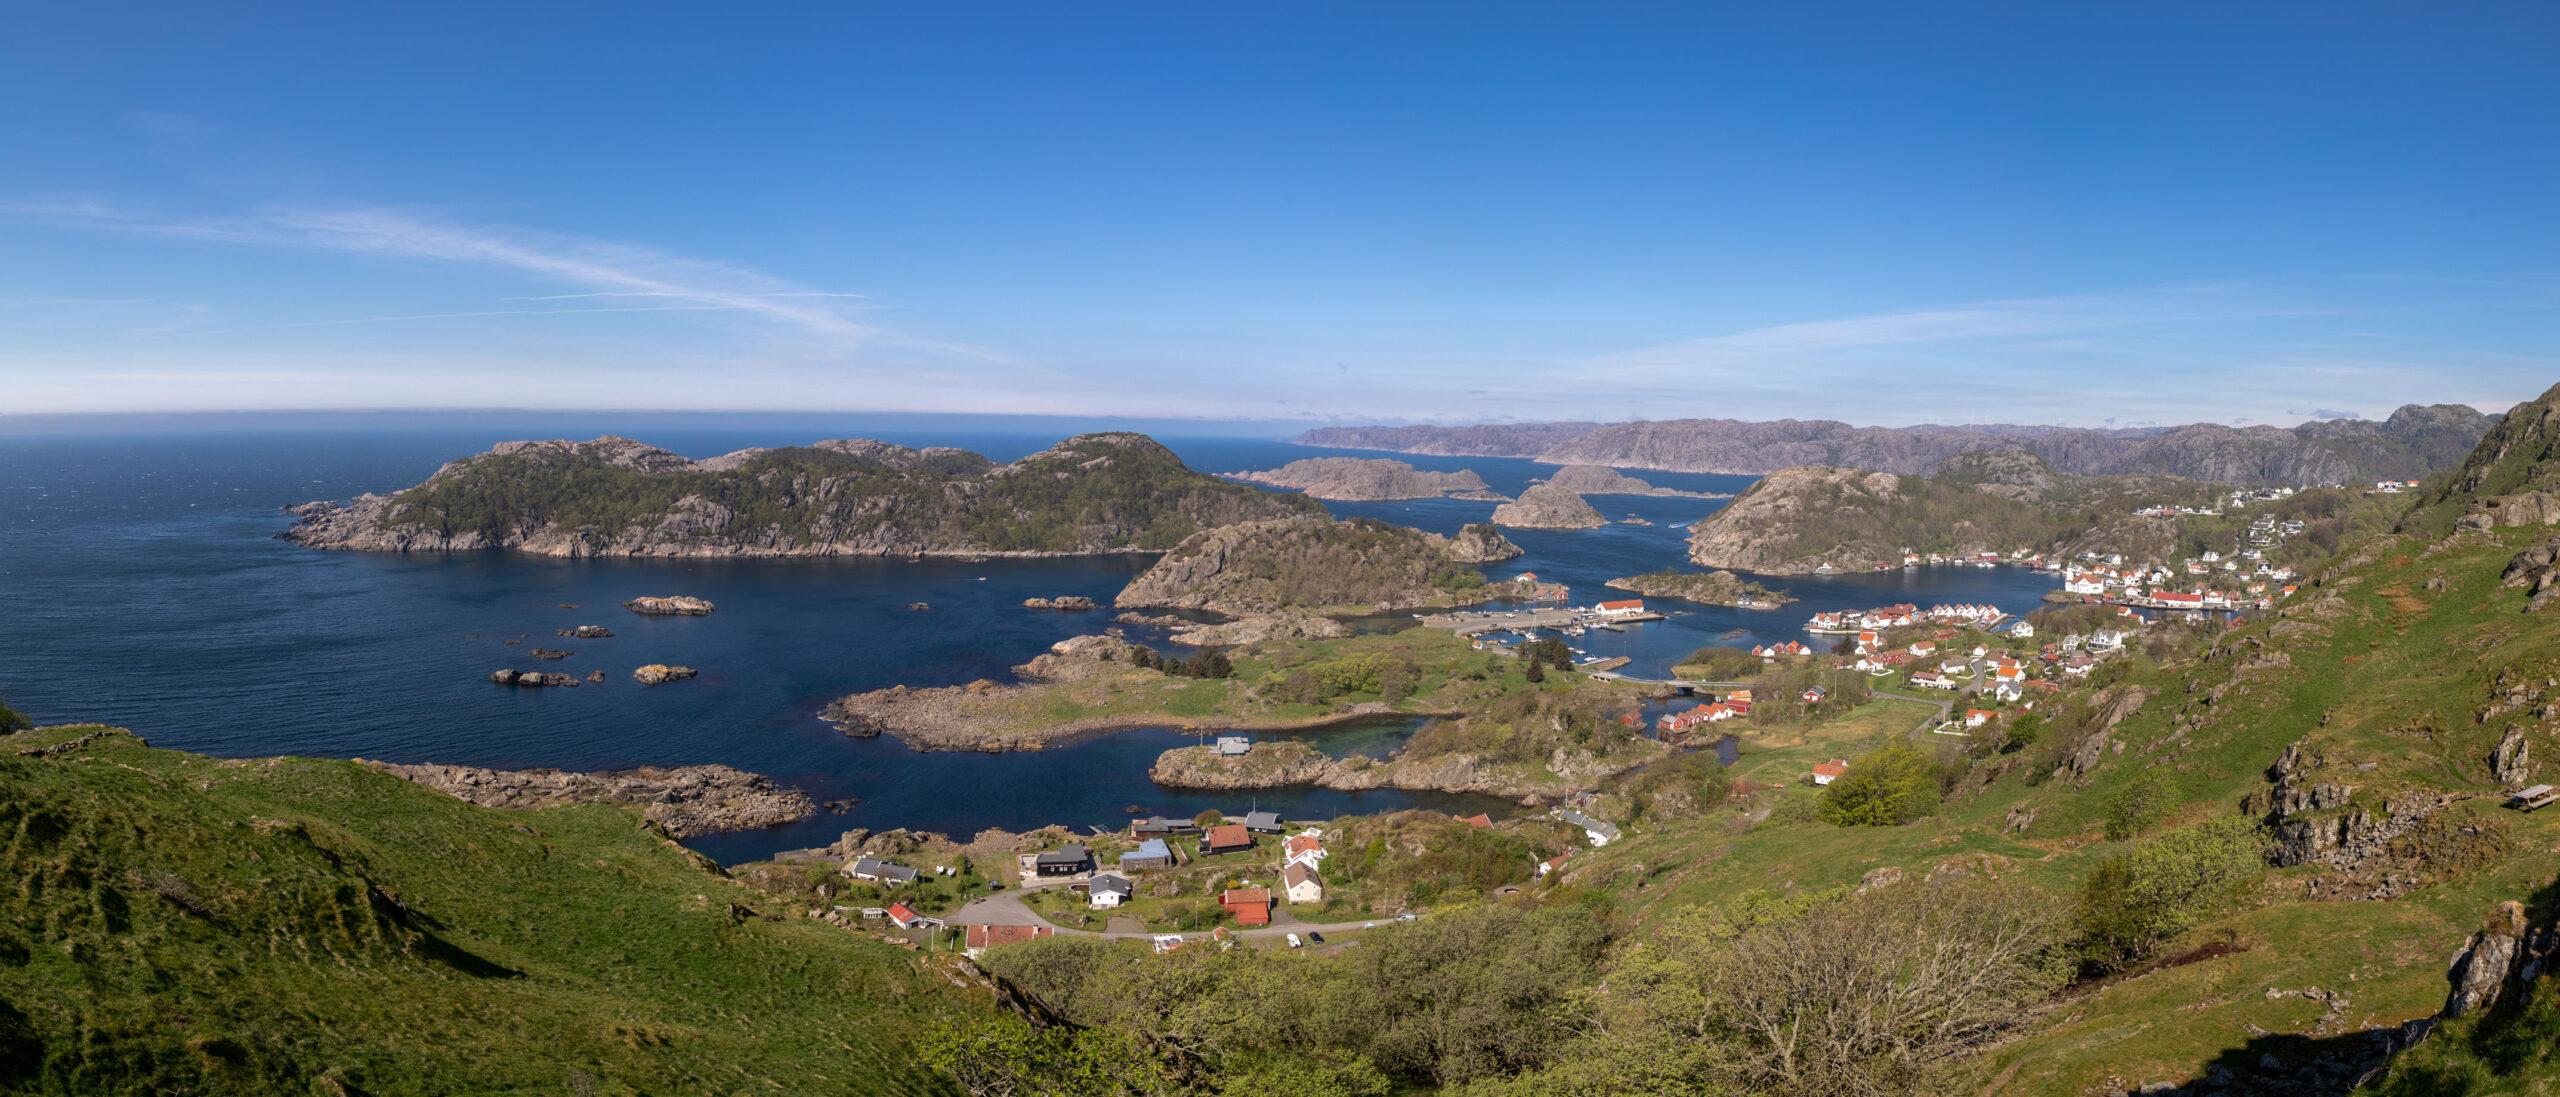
659,673
687,800
677,605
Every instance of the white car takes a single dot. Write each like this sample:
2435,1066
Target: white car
1294,942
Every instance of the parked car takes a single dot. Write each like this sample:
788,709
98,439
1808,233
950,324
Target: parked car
1294,942
1314,937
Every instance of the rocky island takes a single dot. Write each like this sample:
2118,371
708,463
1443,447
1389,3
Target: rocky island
1093,493
687,800
1481,543
1546,506
1371,479
1714,588
1600,480
672,606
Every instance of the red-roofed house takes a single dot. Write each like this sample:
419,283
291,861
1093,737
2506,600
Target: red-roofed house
1480,821
1230,838
1823,772
1974,717
981,938
1553,863
1627,608
1251,906
903,918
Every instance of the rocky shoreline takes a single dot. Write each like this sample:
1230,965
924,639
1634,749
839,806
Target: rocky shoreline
687,800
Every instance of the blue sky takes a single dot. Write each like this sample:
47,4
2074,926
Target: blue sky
1885,213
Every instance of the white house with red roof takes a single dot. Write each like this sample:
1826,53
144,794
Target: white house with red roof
1823,772
1626,608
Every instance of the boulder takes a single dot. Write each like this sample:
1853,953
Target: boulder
658,673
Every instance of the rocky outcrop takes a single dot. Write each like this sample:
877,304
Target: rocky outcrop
1256,630
1714,588
1371,479
1481,543
1545,506
1260,568
586,632
669,606
1094,493
2411,842
687,800
530,678
2412,443
660,673
1072,601
2512,762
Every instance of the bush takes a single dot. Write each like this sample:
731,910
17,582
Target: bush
2139,804
11,720
1888,786
2136,901
2024,731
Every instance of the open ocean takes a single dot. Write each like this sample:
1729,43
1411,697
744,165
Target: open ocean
140,585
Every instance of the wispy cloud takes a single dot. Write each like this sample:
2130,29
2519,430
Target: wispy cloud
606,269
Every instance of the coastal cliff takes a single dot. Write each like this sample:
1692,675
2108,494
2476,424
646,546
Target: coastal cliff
1546,506
1481,543
1093,493
1371,479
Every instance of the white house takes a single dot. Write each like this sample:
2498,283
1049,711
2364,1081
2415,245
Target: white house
1823,772
1234,745
1600,833
1627,608
1301,884
1110,890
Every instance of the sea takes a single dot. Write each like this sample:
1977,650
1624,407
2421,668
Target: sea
141,586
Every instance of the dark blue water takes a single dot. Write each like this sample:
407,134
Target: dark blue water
140,585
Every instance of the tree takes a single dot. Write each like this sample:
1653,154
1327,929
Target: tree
1002,1055
1888,786
11,720
1215,664
2024,731
1209,818
1533,673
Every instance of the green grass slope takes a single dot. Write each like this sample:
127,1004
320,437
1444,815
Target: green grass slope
179,924
2392,678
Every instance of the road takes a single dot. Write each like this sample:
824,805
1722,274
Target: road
1006,908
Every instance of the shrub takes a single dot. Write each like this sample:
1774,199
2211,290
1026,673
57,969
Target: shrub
2136,901
2139,804
1888,786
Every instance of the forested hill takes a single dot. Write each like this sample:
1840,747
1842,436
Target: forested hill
617,497
2413,443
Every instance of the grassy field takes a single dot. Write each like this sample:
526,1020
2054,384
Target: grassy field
189,925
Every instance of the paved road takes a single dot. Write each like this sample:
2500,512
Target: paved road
1006,908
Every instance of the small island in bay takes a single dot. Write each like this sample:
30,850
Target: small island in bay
1371,480
1546,506
1715,588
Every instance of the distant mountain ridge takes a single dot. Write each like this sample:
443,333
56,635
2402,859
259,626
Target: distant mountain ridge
2413,443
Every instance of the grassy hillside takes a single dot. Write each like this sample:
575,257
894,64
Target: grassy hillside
181,924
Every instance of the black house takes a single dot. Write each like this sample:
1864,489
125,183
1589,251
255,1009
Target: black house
1067,860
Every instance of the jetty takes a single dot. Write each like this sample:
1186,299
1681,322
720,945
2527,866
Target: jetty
1476,622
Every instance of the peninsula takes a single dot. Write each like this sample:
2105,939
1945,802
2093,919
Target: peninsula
1370,480
1093,493
1599,480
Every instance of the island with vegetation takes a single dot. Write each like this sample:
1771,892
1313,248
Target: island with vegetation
1317,565
1371,479
1714,588
1093,493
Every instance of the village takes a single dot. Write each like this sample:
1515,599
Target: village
1255,880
